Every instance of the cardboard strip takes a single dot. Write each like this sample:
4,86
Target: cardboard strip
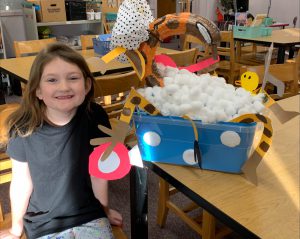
137,61
249,168
136,100
113,54
168,61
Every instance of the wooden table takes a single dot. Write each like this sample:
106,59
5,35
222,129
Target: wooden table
20,67
283,39
269,210
279,24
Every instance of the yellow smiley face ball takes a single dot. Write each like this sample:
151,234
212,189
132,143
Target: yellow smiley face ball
249,81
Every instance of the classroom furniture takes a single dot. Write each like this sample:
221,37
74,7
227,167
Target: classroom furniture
5,162
69,28
111,91
227,67
289,73
87,41
20,67
109,9
268,210
184,57
192,41
32,46
201,223
282,39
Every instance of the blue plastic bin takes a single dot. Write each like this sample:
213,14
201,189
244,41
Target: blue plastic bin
176,144
101,47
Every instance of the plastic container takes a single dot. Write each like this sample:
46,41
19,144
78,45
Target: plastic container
111,16
101,47
224,146
251,32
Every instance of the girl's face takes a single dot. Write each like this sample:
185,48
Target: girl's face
62,88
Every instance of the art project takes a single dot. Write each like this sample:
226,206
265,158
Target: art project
142,58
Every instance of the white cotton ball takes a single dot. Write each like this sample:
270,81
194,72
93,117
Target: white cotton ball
156,90
148,92
141,91
194,92
230,111
161,68
230,88
171,88
171,71
184,72
220,115
168,80
185,108
184,99
244,110
259,97
258,106
209,90
218,93
240,91
203,97
221,81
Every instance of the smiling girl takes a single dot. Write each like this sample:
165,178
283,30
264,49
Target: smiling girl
52,194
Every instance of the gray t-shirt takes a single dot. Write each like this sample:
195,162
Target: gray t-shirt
62,195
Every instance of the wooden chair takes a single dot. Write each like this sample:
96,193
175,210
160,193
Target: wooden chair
185,57
227,67
203,223
111,90
24,48
190,40
5,162
31,47
289,73
87,41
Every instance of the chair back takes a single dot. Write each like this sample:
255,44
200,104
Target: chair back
111,91
190,39
185,57
226,47
31,47
227,66
87,41
5,162
288,73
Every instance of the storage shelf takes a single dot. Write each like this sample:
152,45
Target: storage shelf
40,24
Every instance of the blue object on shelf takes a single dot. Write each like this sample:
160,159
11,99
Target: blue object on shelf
171,140
251,32
101,46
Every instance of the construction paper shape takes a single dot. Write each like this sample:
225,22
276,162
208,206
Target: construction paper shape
135,157
168,61
249,81
131,27
115,166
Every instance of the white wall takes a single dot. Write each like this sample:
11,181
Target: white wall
281,10
205,8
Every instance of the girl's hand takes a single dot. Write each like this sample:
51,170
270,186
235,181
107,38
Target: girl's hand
6,234
114,217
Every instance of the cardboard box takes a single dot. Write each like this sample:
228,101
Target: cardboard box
224,146
50,10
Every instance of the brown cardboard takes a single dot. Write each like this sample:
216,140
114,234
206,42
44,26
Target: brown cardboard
51,10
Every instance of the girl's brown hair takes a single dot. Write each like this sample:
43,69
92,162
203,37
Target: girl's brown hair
30,114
